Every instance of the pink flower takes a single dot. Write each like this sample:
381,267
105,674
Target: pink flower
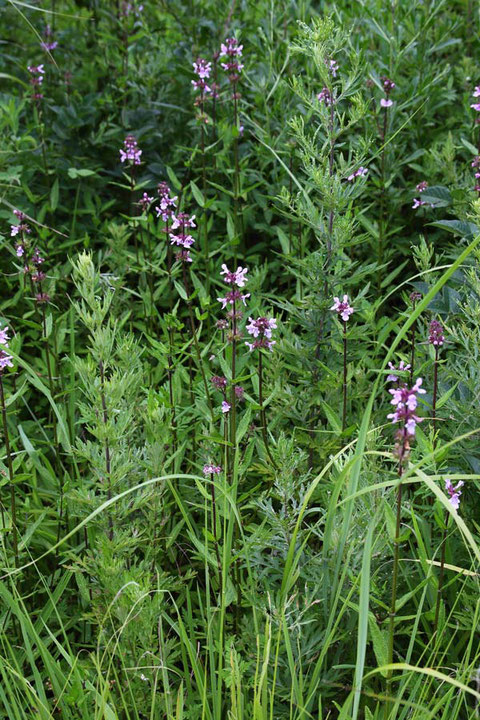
212,469
332,66
130,150
262,326
36,69
435,334
231,48
418,203
236,277
454,493
4,336
361,172
325,96
219,382
401,368
421,186
145,201
225,407
343,308
5,360
202,68
261,343
179,223
232,297
386,103
476,106
405,400
164,210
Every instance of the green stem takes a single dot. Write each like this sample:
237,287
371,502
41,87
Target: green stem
13,507
442,573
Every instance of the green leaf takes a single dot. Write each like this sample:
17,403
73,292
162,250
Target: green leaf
54,196
458,227
173,178
380,642
332,417
197,194
437,195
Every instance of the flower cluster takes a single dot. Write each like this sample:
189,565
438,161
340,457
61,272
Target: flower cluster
417,202
231,50
36,79
145,202
6,360
454,492
48,44
180,235
166,203
129,8
405,401
435,334
31,257
130,150
325,96
261,331
361,172
202,69
403,367
212,469
237,279
388,86
332,65
342,307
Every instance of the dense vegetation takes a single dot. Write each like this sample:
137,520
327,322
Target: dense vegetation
239,360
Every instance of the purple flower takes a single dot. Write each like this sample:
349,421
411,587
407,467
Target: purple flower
343,308
386,103
418,203
231,48
476,161
20,250
332,66
232,297
401,368
261,330
239,392
262,327
130,150
454,493
4,336
476,106
37,259
36,69
180,223
325,96
218,382
212,469
164,210
226,407
435,334
388,84
183,256
361,172
476,92
236,277
421,186
145,201
202,68
405,401
6,360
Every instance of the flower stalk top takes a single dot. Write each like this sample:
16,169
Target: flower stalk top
6,360
342,307
454,492
405,401
261,330
130,150
388,86
435,334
